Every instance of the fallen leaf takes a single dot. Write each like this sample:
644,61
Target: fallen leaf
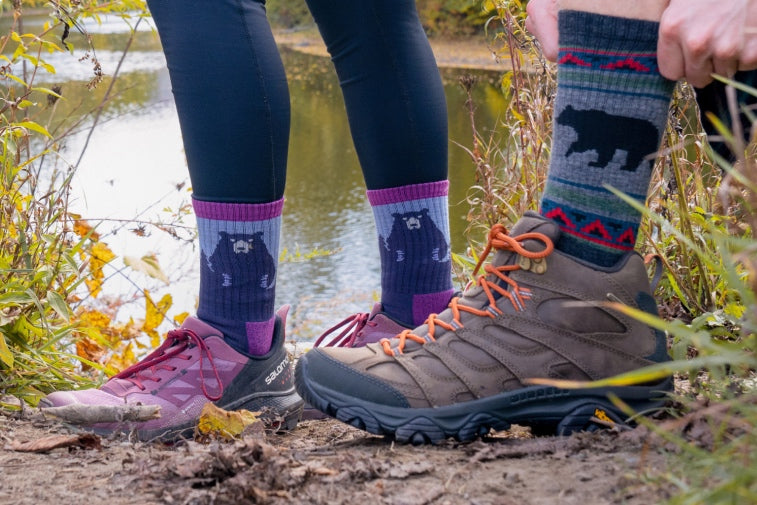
45,444
219,423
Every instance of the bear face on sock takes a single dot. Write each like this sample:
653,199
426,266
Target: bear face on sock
415,238
241,259
606,133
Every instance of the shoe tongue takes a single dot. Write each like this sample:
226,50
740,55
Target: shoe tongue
533,222
201,328
377,309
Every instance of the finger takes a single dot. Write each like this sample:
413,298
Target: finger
542,23
670,58
725,67
698,71
748,57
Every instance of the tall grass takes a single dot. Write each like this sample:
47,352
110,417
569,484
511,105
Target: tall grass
700,220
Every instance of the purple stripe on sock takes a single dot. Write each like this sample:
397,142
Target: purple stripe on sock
407,193
431,303
260,336
238,211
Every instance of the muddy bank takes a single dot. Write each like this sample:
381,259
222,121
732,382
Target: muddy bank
471,53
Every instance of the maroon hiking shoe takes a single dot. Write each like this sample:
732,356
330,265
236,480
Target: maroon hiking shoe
192,367
361,329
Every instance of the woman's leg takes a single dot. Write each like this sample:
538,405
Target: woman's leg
398,119
233,104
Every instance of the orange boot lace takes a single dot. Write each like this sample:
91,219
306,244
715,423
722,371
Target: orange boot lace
498,239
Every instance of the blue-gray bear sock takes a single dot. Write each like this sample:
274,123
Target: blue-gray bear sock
239,244
610,114
413,228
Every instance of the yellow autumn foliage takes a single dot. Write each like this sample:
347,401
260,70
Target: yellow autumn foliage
155,313
98,256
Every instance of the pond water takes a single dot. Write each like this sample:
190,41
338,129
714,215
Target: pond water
133,167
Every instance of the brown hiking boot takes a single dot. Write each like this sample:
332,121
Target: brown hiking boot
537,314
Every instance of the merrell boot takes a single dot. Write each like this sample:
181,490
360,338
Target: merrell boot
537,314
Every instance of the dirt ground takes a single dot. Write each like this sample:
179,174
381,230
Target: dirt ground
327,462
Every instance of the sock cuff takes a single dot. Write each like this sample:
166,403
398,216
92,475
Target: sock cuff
221,211
407,193
587,29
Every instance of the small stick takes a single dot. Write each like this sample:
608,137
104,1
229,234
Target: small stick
92,414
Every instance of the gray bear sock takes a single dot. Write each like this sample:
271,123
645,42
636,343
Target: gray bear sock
610,114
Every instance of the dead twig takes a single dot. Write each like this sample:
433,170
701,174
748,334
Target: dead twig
93,414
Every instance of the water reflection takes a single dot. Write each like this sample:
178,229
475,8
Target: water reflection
134,163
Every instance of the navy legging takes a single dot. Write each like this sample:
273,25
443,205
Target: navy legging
233,101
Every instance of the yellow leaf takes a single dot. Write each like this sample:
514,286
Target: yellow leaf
180,318
124,360
216,422
93,319
101,252
94,286
154,315
6,356
99,256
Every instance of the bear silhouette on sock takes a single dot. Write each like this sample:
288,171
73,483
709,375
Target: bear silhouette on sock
240,259
637,137
415,238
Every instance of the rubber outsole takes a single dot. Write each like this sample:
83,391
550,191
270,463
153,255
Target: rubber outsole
548,410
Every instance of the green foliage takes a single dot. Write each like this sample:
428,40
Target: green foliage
44,249
453,17
700,221
439,17
288,13
511,162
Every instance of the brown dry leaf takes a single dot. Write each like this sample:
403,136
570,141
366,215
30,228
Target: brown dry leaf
84,229
215,422
89,350
323,471
45,444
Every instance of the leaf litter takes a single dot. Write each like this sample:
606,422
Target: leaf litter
327,462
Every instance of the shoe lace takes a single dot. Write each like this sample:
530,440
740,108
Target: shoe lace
498,239
353,325
176,342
